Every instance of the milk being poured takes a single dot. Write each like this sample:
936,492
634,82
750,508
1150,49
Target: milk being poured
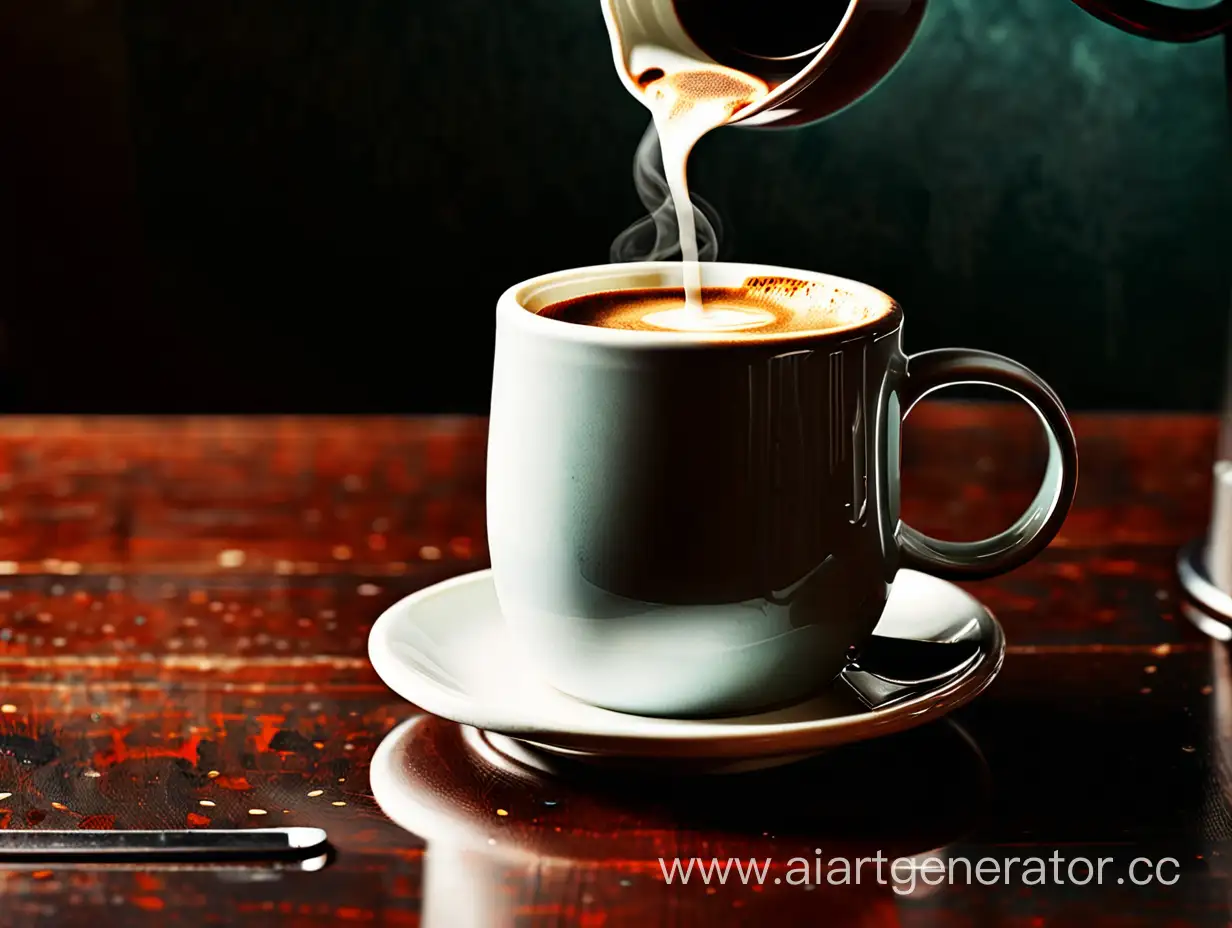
686,100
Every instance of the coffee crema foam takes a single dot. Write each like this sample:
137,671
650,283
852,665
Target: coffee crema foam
676,94
761,306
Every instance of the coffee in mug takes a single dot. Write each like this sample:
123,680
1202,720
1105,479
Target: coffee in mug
764,305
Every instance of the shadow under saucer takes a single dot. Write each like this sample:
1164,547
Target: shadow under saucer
505,837
903,794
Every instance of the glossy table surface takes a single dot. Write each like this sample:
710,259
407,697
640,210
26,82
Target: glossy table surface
183,613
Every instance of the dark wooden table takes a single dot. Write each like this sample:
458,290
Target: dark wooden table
183,614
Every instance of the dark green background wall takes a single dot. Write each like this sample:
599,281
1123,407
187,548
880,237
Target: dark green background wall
311,205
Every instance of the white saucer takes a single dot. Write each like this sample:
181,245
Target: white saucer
447,649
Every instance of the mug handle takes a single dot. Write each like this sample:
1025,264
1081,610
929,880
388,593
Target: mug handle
1030,534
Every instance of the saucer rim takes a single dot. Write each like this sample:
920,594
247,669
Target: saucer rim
628,735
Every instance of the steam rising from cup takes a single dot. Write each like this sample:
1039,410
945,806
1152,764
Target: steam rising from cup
656,236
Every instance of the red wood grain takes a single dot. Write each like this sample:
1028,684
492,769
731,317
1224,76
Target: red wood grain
183,615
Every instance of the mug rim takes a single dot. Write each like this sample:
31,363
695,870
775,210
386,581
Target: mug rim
512,309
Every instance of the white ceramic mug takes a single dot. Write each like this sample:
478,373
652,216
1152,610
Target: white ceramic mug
688,524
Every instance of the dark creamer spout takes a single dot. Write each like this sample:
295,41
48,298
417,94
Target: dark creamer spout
786,45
